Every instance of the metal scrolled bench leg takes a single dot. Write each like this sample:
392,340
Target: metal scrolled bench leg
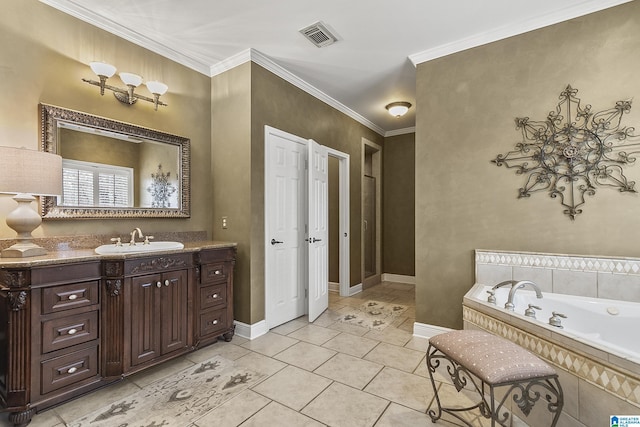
479,361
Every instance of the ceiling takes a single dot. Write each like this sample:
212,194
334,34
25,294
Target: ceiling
373,62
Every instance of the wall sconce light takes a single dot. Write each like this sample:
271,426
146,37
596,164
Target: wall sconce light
398,109
26,173
126,96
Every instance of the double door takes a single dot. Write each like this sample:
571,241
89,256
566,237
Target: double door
159,317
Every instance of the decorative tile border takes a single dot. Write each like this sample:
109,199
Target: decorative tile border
563,262
621,385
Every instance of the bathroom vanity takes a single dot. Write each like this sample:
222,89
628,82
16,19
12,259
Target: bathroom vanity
74,321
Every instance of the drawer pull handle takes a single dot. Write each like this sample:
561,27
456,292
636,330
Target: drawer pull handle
218,272
215,296
73,296
215,322
167,282
159,284
72,370
72,331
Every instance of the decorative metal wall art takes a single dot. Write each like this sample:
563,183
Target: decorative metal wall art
573,151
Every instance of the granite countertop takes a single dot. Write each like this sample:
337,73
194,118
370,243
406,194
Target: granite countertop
81,254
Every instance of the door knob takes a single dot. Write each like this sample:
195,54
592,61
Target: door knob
315,240
275,242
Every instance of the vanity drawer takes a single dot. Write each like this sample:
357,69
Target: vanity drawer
68,369
69,330
213,321
215,273
213,296
66,297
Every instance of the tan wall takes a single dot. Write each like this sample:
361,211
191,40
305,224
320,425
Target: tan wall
44,54
467,103
398,205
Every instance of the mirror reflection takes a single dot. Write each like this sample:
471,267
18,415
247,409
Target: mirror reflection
114,169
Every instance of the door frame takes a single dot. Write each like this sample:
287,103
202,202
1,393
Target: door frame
377,174
344,224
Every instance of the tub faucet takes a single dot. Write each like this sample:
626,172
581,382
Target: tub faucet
521,284
132,242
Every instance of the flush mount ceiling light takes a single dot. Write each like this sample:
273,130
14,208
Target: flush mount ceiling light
398,109
126,96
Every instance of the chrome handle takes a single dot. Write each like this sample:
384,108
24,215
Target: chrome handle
167,282
117,241
564,316
215,296
492,296
215,322
72,370
159,284
275,242
72,331
218,272
73,296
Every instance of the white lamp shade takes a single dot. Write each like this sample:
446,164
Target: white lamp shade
30,172
102,69
157,88
398,109
131,79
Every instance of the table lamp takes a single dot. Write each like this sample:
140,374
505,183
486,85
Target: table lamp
26,173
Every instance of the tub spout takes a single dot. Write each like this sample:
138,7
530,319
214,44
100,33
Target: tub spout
519,285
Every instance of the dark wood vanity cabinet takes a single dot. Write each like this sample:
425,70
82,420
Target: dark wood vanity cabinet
67,328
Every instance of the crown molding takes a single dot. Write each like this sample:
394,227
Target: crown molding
116,29
514,29
397,132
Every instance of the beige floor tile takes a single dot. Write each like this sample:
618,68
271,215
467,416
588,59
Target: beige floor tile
96,400
270,344
349,328
401,416
225,349
341,405
148,376
275,414
390,335
422,369
235,411
291,326
418,344
349,370
306,356
260,363
351,344
314,334
293,387
394,356
403,388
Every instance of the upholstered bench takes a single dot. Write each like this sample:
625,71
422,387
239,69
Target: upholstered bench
481,360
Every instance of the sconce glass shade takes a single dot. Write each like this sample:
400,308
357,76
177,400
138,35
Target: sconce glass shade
157,88
102,69
26,173
398,109
131,79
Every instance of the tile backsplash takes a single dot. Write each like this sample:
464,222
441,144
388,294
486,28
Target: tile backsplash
590,276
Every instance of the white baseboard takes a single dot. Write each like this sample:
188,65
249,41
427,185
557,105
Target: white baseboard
427,331
251,332
398,278
334,287
355,289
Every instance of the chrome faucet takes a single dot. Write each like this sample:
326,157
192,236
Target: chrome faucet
132,242
505,283
521,284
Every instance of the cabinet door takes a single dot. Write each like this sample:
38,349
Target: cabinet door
174,311
145,318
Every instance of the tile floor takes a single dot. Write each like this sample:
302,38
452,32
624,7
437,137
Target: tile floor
321,373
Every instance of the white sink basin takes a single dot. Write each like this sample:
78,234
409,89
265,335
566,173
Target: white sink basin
139,247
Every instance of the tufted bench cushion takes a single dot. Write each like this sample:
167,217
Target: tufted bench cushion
493,359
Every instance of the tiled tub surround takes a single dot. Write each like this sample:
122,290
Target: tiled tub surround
597,381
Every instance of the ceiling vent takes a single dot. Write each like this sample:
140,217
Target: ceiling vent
319,35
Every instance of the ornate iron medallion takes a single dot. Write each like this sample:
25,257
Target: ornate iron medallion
573,151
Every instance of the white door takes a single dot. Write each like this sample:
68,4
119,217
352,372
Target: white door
318,212
285,218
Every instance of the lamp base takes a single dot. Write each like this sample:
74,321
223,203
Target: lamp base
23,250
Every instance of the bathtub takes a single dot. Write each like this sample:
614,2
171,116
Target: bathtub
606,325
